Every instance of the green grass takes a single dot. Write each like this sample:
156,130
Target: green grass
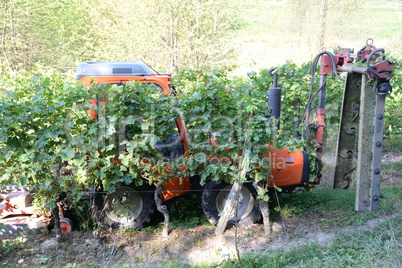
7,246
393,144
394,167
82,217
380,247
184,211
187,211
333,209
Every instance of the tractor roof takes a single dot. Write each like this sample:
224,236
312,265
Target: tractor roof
112,68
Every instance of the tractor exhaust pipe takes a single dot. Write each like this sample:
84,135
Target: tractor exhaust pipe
274,98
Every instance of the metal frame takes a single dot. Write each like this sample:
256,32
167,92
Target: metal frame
362,115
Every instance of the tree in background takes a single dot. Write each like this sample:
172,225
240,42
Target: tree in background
12,35
57,33
192,32
166,34
170,35
315,23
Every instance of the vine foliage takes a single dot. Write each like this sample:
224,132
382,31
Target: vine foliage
43,131
229,125
49,143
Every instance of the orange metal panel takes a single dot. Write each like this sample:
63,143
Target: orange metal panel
176,187
286,167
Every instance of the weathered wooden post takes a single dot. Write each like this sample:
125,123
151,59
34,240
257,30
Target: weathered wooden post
231,202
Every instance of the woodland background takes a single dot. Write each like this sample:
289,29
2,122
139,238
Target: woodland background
172,34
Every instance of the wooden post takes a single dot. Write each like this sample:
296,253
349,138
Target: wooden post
234,195
162,209
369,148
56,221
296,120
233,198
264,207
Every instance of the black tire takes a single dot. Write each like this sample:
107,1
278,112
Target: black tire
128,206
214,198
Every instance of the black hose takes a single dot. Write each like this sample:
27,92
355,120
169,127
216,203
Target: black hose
313,71
306,114
372,72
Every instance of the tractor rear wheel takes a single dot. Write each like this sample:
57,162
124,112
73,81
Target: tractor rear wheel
128,206
214,199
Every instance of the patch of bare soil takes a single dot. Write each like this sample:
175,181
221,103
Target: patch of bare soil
148,249
198,245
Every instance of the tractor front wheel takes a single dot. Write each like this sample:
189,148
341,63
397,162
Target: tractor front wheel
214,199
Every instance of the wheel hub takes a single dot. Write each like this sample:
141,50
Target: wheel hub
246,201
123,205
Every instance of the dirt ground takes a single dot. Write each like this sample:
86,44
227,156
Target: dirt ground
197,245
147,249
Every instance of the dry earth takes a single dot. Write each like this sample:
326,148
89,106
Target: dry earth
183,245
147,249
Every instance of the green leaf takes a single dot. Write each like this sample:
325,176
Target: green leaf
47,181
67,154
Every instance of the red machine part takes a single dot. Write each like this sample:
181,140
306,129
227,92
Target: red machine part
288,168
17,213
16,203
345,57
16,209
342,57
66,225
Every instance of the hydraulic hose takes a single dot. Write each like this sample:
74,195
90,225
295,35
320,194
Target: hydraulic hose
306,114
373,73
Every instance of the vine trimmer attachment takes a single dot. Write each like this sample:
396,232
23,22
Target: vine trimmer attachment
367,83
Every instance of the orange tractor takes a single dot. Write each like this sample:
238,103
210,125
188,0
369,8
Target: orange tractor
133,206
289,170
